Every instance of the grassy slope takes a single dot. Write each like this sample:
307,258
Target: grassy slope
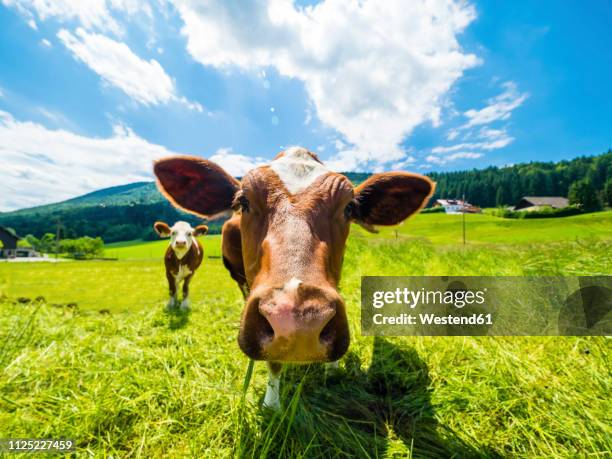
145,383
137,250
482,228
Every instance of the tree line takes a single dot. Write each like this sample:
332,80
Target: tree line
112,223
83,247
587,178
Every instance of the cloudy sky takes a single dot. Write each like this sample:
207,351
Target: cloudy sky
91,91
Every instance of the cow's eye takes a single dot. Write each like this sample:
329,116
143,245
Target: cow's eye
350,211
174,233
241,203
189,234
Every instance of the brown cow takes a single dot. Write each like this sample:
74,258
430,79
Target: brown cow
183,256
285,244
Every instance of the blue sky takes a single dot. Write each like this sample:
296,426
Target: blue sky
91,92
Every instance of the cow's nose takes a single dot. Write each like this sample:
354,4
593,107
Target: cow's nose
181,243
288,319
294,323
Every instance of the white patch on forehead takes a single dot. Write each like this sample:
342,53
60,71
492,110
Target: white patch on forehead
297,169
292,285
181,226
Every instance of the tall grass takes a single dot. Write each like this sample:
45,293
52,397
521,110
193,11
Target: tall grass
135,381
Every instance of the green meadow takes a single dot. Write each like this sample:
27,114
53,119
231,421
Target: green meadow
88,352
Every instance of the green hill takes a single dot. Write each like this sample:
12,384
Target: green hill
122,195
116,214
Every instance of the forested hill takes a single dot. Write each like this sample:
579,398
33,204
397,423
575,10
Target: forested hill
496,186
128,212
118,213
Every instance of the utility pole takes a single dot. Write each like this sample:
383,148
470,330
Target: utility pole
463,217
57,237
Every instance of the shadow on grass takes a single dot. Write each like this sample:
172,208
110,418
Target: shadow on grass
382,411
177,318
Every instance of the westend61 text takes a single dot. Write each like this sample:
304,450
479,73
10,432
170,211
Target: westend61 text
433,319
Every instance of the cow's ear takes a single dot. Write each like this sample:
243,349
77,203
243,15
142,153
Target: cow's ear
389,198
200,230
162,229
195,185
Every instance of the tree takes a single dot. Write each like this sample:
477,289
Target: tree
583,193
501,197
24,243
47,243
608,192
33,241
84,247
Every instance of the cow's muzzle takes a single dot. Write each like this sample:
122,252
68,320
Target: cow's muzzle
294,323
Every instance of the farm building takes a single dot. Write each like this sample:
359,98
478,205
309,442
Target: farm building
10,248
529,203
457,206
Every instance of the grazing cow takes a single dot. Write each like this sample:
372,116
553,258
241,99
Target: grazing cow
183,256
284,245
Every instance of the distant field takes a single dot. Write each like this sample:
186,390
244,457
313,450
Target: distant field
482,228
136,281
140,382
139,250
437,228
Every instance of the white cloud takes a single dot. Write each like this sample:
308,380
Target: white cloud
40,165
144,81
490,139
32,24
492,134
54,116
372,70
455,156
498,108
351,159
410,160
46,43
91,14
236,164
476,131
492,144
452,134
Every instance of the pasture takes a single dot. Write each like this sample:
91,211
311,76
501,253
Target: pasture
88,352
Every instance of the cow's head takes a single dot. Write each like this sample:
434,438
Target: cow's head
181,235
295,218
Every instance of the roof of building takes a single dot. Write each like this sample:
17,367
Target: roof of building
452,202
552,201
9,231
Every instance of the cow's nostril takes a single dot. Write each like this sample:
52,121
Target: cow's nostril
328,332
265,328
